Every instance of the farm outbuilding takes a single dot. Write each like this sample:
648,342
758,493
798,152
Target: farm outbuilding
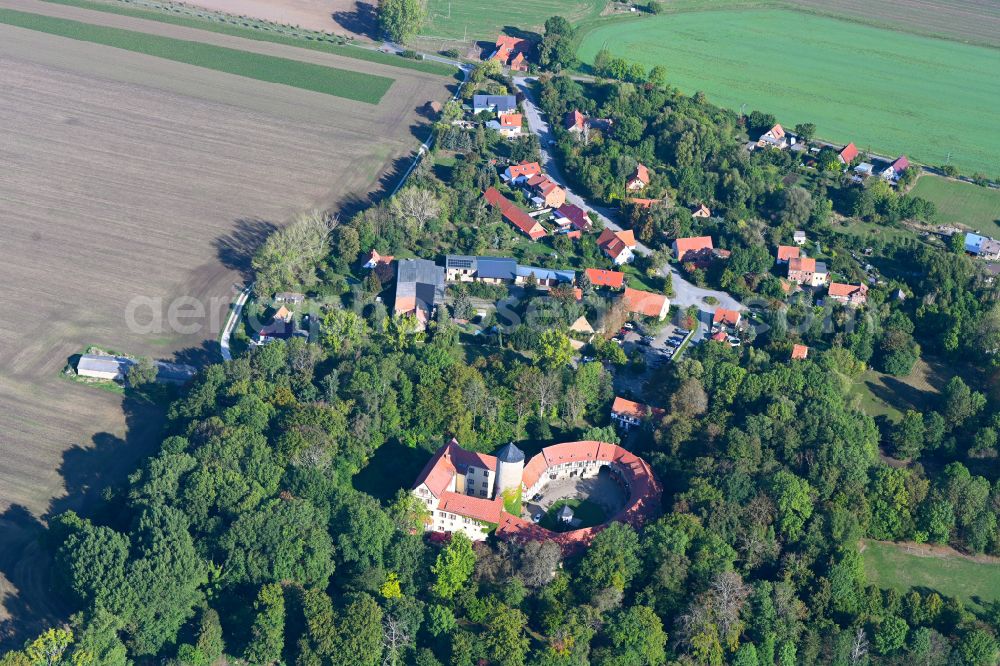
102,367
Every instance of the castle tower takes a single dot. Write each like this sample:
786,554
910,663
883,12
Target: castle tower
510,468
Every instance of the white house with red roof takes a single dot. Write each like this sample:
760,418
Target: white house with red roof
600,277
575,122
617,245
773,138
639,179
693,248
627,414
507,125
519,173
807,271
646,303
788,252
510,52
896,169
375,260
849,294
847,155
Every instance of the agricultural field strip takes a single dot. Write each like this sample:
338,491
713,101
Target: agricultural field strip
888,90
486,18
295,73
962,203
260,34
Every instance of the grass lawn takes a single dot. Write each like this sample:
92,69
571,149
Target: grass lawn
587,512
891,91
317,78
484,20
204,19
896,566
962,203
888,396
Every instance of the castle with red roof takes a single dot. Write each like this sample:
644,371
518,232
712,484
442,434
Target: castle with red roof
465,491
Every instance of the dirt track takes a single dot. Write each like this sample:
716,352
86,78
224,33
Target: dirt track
126,175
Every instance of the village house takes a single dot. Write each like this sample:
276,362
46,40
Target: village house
618,245
575,122
645,203
507,125
374,260
982,246
807,271
774,138
568,214
639,179
646,303
583,328
799,238
800,352
501,270
281,327
494,104
521,172
546,193
786,252
726,319
847,155
701,211
892,172
419,289
697,249
523,222
600,277
627,414
544,277
850,294
510,52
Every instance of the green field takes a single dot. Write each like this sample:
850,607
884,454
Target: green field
484,19
892,566
260,31
317,78
962,203
891,91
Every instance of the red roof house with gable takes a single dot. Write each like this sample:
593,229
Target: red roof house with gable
521,171
618,245
800,352
510,52
575,121
510,212
638,180
851,294
848,154
546,191
786,252
604,278
646,303
697,248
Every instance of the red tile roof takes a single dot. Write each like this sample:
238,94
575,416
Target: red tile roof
575,120
777,131
839,290
511,119
524,222
508,46
901,164
727,317
643,203
641,174
644,302
720,336
701,211
448,460
849,152
695,245
374,259
574,214
806,264
636,410
614,242
478,508
786,252
524,169
604,278
800,352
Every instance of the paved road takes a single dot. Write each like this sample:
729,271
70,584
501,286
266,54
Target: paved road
234,318
685,293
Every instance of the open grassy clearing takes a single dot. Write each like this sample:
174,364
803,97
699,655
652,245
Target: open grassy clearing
969,21
484,19
185,15
881,395
890,91
906,566
962,203
317,78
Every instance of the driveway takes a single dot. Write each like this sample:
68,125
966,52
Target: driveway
685,293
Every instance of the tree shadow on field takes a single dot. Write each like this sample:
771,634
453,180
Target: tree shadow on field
200,356
391,176
521,33
900,394
94,478
236,249
30,603
362,21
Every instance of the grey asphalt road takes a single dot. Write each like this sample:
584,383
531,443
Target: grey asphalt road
685,293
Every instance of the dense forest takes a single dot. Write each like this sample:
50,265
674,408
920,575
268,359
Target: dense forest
272,526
